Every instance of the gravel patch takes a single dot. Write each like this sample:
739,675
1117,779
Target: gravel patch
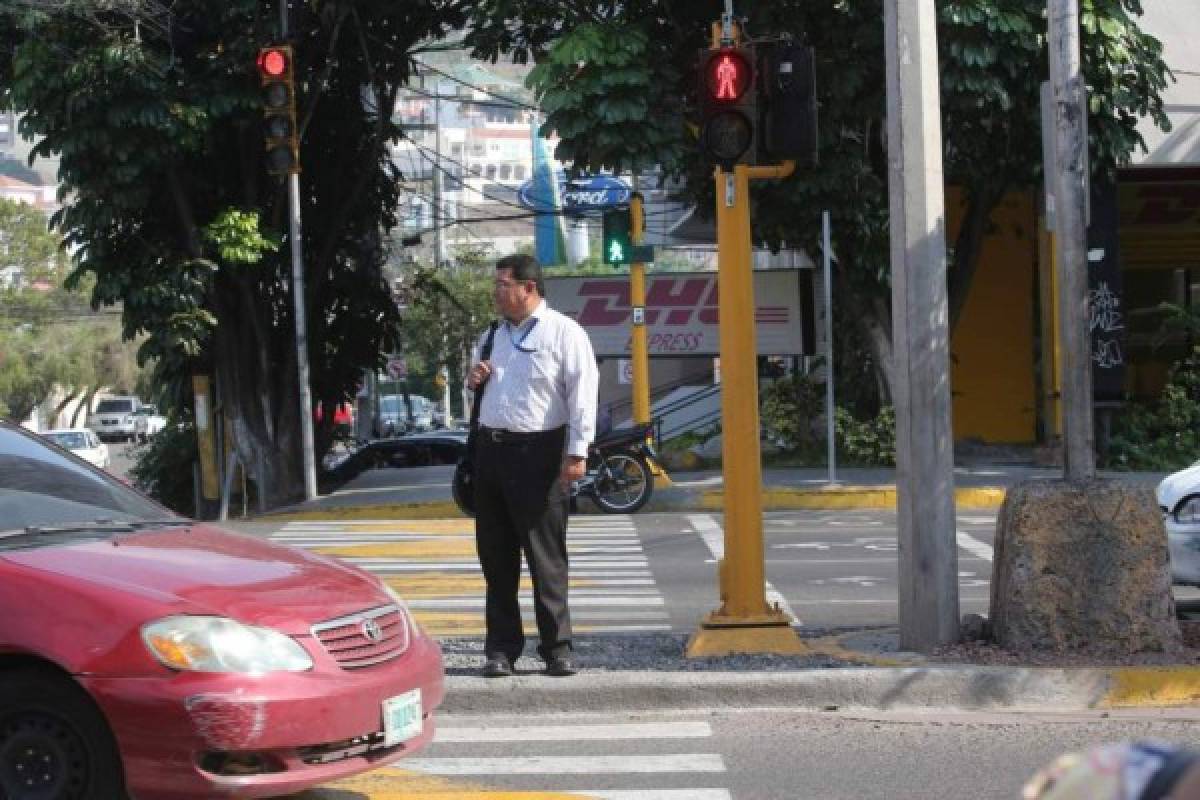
635,652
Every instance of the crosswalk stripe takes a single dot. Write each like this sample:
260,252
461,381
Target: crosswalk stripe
569,765
612,587
576,602
554,733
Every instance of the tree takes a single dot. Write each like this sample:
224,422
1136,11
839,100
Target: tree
154,110
26,242
446,314
607,68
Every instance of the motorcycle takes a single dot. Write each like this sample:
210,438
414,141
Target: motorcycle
619,477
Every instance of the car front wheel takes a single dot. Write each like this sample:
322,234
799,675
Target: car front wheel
54,742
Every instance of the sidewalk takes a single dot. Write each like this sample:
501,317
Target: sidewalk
424,492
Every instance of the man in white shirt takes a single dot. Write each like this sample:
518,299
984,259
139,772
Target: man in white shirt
537,418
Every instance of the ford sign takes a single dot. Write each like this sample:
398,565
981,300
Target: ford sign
594,193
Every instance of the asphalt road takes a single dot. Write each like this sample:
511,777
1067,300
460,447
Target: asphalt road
649,573
756,754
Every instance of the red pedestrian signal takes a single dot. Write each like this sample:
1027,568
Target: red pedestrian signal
728,76
275,71
728,96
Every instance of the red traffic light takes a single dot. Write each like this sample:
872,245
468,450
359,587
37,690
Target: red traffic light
727,76
273,62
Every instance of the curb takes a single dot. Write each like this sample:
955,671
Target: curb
672,499
874,688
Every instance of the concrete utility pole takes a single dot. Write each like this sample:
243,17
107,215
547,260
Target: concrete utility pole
294,235
1070,229
830,408
439,223
928,601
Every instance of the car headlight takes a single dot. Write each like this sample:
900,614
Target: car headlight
1189,512
218,644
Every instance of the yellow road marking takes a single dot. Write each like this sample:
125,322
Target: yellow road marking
401,784
435,526
440,547
416,585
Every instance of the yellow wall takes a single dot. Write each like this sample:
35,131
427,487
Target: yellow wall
992,364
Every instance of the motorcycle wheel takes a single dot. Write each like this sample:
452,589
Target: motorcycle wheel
623,484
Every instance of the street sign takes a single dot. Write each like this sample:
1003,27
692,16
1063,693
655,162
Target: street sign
587,193
397,368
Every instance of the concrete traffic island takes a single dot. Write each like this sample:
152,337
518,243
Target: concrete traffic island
846,670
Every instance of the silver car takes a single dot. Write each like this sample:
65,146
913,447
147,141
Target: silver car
114,418
1179,499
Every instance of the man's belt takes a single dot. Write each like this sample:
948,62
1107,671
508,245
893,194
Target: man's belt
501,436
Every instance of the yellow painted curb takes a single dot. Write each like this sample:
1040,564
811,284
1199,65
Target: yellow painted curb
435,510
1153,686
848,497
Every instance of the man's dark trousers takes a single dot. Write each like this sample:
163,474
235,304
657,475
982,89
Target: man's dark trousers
521,506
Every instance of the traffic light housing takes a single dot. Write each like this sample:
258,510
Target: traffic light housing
617,240
788,103
275,70
728,88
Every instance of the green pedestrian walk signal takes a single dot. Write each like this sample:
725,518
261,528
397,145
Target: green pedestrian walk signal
617,240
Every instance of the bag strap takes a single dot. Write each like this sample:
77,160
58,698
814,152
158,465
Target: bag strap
477,404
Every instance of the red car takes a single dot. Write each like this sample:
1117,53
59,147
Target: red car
145,655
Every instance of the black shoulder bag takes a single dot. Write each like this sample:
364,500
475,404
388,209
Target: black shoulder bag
463,485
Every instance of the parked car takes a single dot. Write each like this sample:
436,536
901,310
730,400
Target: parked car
114,418
1179,499
396,416
146,655
433,448
82,443
147,422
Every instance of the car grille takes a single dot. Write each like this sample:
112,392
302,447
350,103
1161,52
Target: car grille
366,638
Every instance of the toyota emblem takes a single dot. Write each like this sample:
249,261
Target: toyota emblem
371,629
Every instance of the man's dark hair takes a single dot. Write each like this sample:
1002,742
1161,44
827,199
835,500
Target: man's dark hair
524,268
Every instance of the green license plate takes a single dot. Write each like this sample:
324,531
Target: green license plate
401,717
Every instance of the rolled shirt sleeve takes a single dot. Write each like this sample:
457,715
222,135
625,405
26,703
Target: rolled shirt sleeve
582,386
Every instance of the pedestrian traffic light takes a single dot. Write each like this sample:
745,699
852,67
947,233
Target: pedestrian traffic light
275,69
728,96
788,103
617,238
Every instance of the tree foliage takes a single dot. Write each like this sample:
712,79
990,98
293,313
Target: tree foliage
992,60
154,110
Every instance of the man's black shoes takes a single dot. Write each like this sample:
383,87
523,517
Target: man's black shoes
560,666
497,667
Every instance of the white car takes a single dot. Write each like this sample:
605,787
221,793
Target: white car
113,418
147,422
1179,498
82,443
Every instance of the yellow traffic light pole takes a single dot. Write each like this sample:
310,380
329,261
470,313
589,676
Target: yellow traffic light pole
637,297
744,623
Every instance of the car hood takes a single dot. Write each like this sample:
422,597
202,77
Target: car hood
204,570
1179,485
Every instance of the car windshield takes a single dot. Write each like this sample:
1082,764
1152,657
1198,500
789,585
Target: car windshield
114,407
71,440
391,404
43,487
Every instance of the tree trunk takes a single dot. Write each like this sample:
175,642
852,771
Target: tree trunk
258,392
58,410
85,406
